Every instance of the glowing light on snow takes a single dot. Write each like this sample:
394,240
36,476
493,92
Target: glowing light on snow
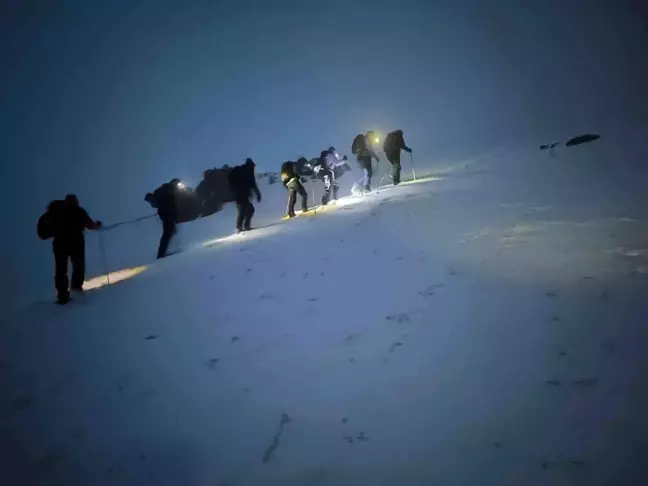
241,238
420,180
182,185
113,277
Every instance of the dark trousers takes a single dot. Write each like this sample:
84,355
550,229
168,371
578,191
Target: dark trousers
367,171
168,230
74,251
330,184
245,212
295,187
394,159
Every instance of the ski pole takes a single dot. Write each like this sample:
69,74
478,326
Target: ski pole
413,171
378,175
102,250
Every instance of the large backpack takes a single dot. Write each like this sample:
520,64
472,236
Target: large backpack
359,144
287,172
235,176
45,226
388,146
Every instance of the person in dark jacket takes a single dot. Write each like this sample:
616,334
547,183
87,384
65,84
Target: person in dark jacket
242,181
394,143
365,155
65,222
292,181
164,199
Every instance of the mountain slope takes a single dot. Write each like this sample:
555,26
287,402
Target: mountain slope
484,327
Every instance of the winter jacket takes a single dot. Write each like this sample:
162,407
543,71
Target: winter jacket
394,142
243,181
288,173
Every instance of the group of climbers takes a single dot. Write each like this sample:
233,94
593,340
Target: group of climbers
65,220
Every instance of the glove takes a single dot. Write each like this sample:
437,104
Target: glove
259,198
98,224
345,158
409,150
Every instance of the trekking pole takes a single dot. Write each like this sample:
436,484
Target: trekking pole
104,261
413,171
378,175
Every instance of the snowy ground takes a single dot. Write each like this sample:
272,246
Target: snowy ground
484,328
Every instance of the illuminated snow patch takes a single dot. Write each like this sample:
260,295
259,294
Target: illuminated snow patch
421,179
113,277
237,238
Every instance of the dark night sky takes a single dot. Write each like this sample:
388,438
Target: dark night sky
110,98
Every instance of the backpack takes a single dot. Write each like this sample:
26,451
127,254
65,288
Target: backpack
389,142
235,176
287,172
45,226
358,145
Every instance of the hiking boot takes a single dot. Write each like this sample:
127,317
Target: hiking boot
63,299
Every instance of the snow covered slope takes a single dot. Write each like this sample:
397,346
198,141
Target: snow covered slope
485,327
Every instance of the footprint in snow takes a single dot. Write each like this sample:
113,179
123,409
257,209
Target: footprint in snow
586,382
400,318
568,464
429,290
393,346
351,339
151,337
235,338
